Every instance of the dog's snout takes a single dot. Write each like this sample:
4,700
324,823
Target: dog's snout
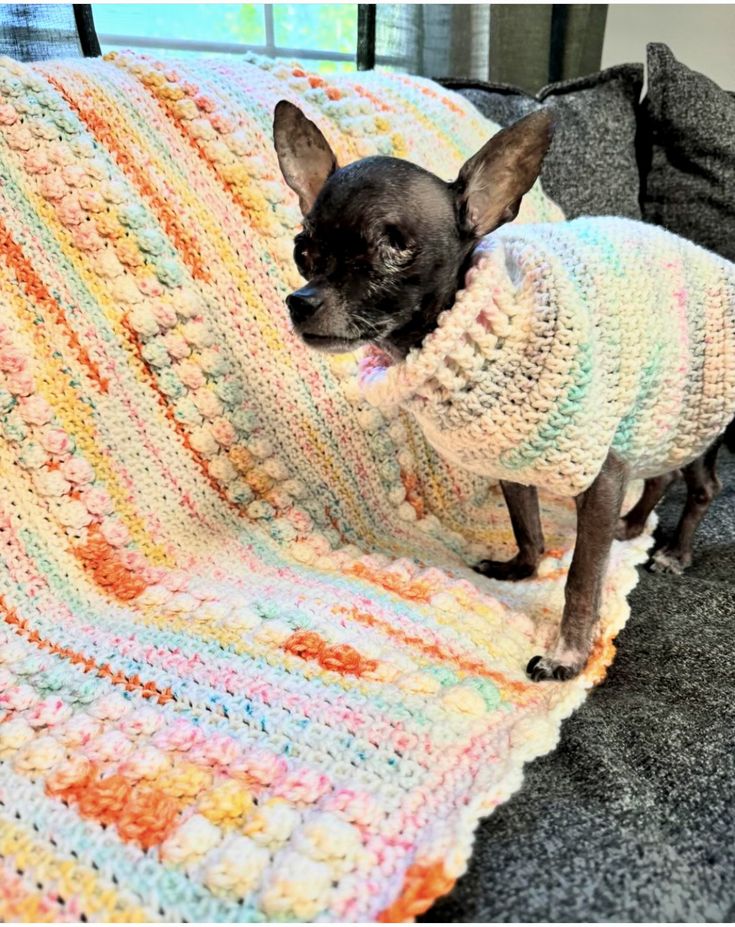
303,304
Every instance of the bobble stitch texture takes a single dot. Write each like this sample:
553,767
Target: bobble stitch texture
241,674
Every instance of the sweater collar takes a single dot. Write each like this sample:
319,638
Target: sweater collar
463,337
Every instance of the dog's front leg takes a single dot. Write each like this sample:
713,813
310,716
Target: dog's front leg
598,509
522,502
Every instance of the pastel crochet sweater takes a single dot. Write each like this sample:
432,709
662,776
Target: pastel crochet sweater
571,338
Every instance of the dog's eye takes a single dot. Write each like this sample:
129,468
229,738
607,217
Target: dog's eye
394,248
304,256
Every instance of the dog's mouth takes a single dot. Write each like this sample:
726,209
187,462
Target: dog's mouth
331,344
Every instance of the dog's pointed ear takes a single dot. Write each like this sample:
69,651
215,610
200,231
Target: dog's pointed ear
490,186
304,155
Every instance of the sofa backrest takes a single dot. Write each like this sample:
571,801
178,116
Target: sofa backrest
668,159
592,166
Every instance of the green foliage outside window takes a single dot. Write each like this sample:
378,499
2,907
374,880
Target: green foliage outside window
319,27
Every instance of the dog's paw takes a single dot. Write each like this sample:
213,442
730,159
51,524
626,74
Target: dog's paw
627,530
512,570
670,561
540,669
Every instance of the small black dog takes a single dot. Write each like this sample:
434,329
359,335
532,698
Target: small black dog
385,246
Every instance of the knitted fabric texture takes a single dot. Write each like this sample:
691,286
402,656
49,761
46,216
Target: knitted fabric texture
570,339
245,673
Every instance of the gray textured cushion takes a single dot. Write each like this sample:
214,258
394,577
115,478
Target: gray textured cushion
631,817
690,186
592,166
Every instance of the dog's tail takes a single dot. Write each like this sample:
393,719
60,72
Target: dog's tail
729,437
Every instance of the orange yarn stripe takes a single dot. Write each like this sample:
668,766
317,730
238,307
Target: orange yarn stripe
414,591
601,656
141,814
103,562
36,290
432,650
332,92
414,499
179,428
340,658
130,683
376,101
185,244
427,92
421,887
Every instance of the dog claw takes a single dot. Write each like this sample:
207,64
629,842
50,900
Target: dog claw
540,669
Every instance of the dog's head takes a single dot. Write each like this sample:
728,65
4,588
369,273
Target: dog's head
384,242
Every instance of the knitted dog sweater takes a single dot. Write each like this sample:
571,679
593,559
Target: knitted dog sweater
570,339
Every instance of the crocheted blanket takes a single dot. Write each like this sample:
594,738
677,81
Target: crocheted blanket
568,340
245,673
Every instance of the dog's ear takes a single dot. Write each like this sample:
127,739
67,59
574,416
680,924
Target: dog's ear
490,186
304,155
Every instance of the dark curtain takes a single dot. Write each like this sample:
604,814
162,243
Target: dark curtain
34,32
433,40
536,44
527,45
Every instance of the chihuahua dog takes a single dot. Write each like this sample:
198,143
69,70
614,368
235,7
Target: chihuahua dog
385,246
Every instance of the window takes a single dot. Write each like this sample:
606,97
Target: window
322,34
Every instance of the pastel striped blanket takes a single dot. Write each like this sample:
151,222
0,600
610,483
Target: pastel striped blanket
245,673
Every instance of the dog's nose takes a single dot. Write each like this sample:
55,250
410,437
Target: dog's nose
303,304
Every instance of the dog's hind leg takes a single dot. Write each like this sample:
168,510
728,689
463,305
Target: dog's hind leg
522,502
703,486
654,489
